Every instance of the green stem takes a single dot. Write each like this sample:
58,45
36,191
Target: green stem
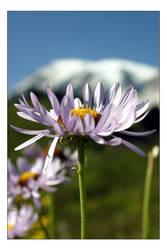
81,175
145,219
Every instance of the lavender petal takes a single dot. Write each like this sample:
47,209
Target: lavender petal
134,148
31,132
66,107
131,133
25,101
128,121
115,141
37,104
21,102
88,123
70,94
54,101
31,112
109,129
41,110
26,117
126,96
105,119
77,125
87,95
128,113
97,139
114,95
98,97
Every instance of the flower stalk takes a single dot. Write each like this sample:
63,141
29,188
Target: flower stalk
82,189
147,189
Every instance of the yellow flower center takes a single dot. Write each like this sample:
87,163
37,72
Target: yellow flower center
84,111
25,176
10,226
81,112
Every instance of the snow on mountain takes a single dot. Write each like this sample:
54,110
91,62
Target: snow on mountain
59,73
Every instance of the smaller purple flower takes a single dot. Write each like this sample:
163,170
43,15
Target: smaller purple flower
28,179
20,221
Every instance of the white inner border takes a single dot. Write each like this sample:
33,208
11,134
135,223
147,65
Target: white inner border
32,5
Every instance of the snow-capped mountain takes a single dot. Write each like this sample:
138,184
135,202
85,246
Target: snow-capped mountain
59,73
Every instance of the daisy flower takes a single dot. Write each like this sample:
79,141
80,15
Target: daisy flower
28,179
20,221
96,117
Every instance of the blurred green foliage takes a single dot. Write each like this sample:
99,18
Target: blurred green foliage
115,179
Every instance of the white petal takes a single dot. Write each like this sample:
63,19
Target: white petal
37,166
77,103
53,114
127,110
114,95
128,121
12,216
127,96
142,107
97,139
25,116
29,142
104,133
109,129
35,194
141,117
49,156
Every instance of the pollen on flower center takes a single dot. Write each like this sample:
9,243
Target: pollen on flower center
10,226
27,175
81,112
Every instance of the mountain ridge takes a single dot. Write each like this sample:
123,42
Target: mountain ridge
58,73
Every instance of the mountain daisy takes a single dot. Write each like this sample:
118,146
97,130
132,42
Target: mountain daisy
100,119
26,181
20,221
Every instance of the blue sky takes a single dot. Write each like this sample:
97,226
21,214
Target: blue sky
36,38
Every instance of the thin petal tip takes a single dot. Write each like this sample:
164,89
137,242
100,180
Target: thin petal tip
16,149
32,94
144,155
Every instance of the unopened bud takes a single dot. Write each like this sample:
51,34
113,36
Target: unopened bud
155,151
